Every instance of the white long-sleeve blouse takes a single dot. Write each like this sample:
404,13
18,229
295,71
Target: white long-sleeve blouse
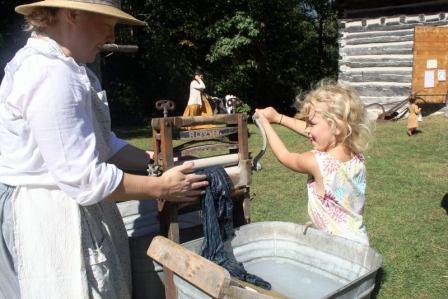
46,126
196,89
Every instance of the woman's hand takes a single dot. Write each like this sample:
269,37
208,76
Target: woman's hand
270,114
177,186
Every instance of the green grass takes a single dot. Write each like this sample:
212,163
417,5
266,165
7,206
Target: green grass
407,201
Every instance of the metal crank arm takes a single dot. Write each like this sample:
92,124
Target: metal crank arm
256,165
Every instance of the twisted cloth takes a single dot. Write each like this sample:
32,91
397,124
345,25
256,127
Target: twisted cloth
217,209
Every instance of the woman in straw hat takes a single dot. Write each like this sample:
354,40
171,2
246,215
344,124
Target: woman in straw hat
60,166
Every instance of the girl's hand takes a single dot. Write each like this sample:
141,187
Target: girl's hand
270,114
177,186
261,118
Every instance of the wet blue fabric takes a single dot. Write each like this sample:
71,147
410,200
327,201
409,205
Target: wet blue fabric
217,212
9,282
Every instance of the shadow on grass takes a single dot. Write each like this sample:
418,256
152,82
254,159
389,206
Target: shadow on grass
380,275
416,132
130,133
444,203
430,108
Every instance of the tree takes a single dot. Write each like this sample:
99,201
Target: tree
12,37
263,51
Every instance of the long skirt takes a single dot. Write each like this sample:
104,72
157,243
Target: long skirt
199,110
64,250
9,282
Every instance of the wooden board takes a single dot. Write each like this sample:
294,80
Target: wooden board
204,274
430,43
205,134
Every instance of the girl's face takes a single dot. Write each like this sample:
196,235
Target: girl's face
91,32
320,133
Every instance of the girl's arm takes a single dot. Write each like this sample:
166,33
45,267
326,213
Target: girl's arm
303,163
293,124
274,117
418,109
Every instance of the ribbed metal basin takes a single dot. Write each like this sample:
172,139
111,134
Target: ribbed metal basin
298,265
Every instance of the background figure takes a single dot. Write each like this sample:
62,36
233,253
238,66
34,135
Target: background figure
61,167
197,101
198,104
414,111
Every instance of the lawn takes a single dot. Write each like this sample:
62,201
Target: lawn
407,201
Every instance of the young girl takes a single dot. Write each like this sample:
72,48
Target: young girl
414,112
335,121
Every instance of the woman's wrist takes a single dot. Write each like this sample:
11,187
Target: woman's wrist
153,187
161,188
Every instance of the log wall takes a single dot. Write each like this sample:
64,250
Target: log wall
375,54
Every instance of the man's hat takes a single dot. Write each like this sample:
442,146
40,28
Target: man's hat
110,8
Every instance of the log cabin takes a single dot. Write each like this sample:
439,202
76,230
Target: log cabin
392,49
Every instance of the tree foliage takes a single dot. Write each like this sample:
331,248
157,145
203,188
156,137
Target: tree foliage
265,52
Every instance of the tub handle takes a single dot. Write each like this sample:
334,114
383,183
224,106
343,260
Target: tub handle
306,226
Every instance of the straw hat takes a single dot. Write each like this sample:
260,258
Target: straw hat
110,8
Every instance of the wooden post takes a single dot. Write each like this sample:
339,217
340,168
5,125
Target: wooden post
242,137
156,144
242,211
169,210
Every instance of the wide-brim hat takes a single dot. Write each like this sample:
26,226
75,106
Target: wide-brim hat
110,8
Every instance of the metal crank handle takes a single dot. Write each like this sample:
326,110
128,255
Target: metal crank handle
255,162
154,169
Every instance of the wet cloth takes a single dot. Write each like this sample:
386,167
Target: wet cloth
217,209
9,283
340,210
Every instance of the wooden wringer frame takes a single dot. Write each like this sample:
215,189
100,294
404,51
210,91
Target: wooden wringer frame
202,136
225,133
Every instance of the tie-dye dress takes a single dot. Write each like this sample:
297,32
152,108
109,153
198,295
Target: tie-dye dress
340,210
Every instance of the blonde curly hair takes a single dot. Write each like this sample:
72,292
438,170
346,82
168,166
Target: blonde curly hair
342,108
40,18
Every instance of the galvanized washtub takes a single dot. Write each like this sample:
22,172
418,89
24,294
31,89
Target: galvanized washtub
298,265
